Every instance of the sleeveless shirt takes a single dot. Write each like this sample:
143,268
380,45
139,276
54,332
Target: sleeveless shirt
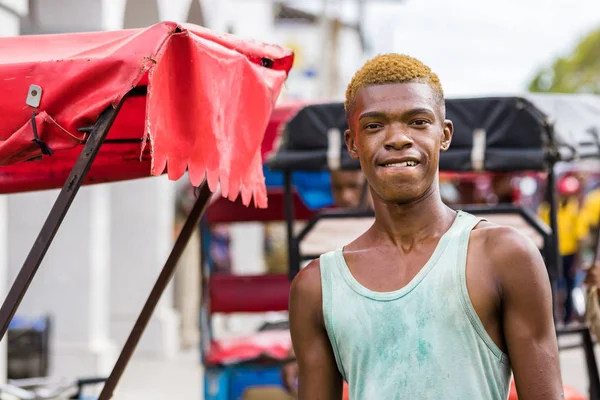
421,342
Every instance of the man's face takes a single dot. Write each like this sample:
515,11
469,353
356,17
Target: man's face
346,187
396,132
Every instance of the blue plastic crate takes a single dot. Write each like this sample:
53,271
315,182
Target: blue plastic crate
230,383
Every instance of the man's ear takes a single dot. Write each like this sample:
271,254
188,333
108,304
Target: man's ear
351,144
447,133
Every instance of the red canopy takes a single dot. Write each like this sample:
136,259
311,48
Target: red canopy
208,102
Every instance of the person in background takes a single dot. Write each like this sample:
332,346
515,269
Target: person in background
589,218
502,188
349,190
569,233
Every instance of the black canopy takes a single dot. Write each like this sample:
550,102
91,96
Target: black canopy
515,133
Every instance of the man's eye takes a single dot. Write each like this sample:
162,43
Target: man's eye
420,122
372,126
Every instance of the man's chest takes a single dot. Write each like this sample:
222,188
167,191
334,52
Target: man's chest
387,271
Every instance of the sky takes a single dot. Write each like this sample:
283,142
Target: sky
477,47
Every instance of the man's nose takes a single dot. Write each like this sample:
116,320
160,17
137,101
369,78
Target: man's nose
397,137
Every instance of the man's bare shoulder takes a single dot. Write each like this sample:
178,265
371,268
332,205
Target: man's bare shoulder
506,250
501,242
306,298
307,284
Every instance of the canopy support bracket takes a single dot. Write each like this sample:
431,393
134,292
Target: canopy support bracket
478,150
57,214
162,281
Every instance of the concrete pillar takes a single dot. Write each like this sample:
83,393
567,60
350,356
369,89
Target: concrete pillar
72,282
9,26
247,248
11,12
3,275
140,14
187,290
142,231
195,13
59,16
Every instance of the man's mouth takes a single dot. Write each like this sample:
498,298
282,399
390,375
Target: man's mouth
402,164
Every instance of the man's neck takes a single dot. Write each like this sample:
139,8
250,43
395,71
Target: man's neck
406,224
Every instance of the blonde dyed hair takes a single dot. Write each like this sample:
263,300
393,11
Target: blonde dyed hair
392,68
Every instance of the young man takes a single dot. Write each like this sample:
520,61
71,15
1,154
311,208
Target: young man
406,311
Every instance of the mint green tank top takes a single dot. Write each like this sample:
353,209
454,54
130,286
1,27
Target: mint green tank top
423,341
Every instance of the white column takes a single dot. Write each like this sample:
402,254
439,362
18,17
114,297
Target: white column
247,248
142,230
59,16
71,283
9,22
3,274
186,285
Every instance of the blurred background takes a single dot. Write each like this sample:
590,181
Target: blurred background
116,237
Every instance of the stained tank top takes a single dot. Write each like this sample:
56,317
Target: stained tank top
422,342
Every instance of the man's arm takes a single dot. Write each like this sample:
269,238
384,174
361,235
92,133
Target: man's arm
528,323
318,376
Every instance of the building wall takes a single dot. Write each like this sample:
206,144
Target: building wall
71,284
9,23
9,26
59,16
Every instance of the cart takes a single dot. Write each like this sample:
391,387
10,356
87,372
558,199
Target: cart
506,134
98,107
234,367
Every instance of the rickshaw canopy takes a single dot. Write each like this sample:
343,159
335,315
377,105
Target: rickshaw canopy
197,101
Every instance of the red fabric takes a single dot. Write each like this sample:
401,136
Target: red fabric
207,108
272,344
243,293
224,211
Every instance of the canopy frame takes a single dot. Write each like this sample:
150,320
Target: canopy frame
93,143
55,217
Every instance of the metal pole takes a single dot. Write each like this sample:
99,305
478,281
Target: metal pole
592,366
554,257
191,224
205,326
588,343
57,214
288,203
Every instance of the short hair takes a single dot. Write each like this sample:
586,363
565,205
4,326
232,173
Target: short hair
392,68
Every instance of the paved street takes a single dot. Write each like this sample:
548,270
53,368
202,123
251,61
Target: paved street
181,378
176,379
573,366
